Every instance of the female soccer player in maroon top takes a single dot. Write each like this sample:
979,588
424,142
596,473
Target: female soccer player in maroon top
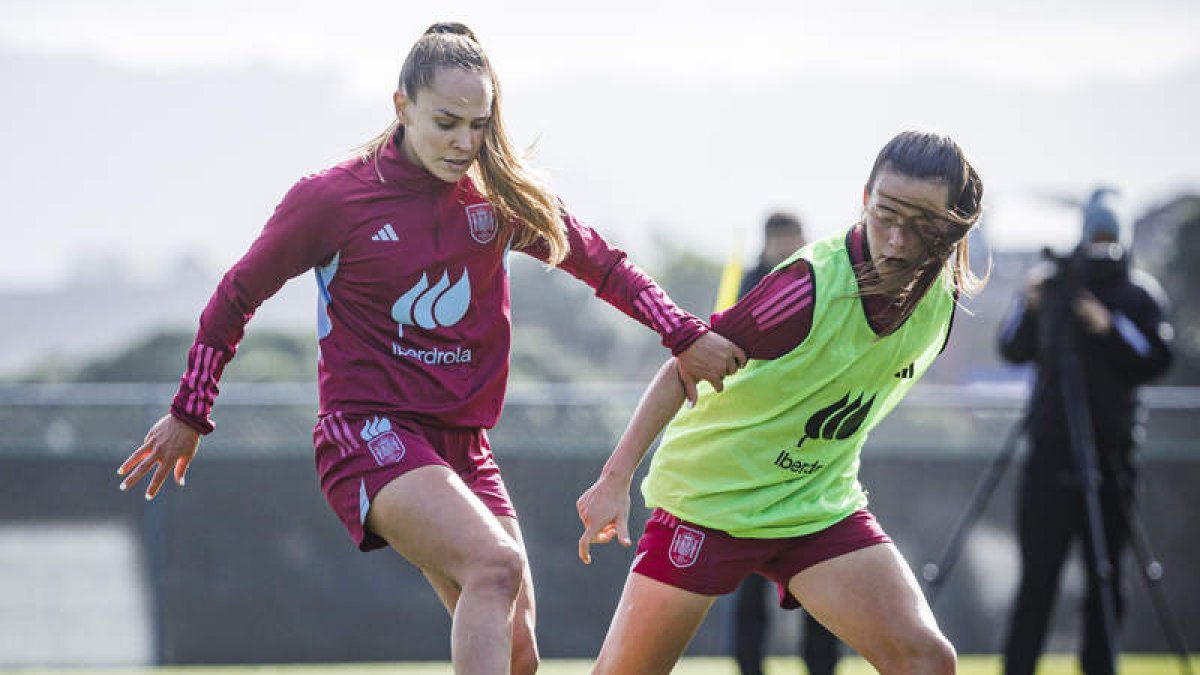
409,243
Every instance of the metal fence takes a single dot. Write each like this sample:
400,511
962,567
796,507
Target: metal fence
62,420
91,576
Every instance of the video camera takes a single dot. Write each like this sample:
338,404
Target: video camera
1072,272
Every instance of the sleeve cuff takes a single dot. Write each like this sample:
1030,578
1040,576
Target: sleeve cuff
203,426
690,330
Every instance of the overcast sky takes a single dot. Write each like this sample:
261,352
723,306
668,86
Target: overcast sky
680,120
1021,40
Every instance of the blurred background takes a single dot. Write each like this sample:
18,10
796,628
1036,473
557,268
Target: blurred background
145,143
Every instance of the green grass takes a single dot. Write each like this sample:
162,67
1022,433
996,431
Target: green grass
1055,664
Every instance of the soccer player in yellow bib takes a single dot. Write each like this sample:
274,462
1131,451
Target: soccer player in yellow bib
764,477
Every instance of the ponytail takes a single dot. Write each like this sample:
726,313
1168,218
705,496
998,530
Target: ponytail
527,211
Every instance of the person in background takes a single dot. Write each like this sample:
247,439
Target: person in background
783,235
409,241
1122,338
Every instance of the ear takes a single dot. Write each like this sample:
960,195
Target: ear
400,101
866,194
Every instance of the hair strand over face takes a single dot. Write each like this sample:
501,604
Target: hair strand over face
935,157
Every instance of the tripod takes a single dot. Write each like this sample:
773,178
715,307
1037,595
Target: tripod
1062,355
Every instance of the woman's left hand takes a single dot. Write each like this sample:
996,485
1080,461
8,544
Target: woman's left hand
710,358
604,510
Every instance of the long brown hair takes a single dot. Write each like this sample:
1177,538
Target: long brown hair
525,207
931,156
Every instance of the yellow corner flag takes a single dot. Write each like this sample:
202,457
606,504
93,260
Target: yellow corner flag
731,279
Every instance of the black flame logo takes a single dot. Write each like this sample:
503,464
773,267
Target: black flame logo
838,421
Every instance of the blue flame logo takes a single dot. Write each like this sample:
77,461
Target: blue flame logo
442,304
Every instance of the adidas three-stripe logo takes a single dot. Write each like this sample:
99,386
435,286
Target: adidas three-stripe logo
907,372
385,233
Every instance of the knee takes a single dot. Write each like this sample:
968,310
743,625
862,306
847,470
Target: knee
928,654
943,658
499,570
934,655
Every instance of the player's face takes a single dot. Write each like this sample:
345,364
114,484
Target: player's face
444,125
898,208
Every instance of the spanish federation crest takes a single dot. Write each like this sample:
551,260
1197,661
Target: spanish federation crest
685,546
482,222
384,444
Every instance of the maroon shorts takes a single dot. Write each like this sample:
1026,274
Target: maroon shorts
711,562
358,455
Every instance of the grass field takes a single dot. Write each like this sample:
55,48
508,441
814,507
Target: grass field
1055,664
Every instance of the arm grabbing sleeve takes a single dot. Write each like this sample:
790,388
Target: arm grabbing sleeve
623,285
299,235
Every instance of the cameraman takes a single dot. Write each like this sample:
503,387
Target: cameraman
1119,333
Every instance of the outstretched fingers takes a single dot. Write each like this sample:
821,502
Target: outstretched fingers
160,477
163,469
181,467
168,449
134,459
138,465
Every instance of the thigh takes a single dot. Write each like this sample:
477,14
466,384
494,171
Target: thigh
652,626
869,598
356,456
430,517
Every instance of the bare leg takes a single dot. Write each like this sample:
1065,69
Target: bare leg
430,517
447,591
871,599
525,657
651,628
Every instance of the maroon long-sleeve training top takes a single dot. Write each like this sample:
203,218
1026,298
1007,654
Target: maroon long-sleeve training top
413,314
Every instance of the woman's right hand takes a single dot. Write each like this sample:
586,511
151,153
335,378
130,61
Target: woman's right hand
712,357
168,448
604,510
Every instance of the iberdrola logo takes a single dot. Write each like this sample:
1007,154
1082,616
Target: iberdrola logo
429,307
838,421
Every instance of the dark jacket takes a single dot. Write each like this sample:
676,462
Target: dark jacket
1134,351
751,278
